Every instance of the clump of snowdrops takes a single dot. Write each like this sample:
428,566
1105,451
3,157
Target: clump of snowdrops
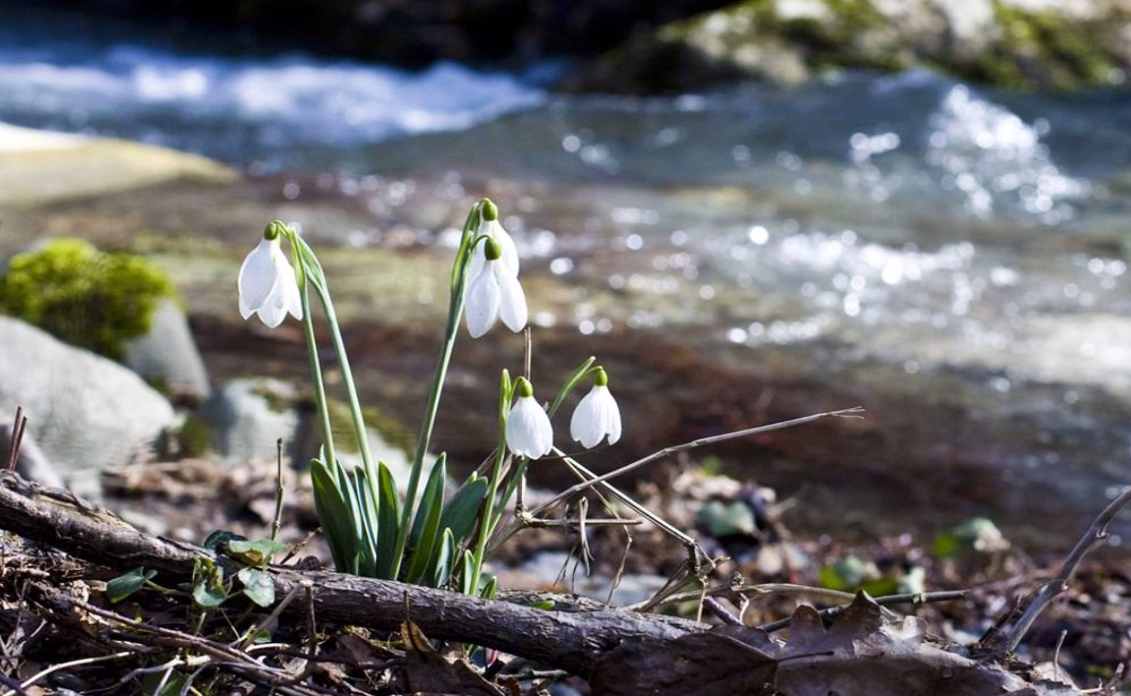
430,537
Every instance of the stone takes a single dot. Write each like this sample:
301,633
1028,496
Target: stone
86,412
167,356
1013,43
249,416
38,167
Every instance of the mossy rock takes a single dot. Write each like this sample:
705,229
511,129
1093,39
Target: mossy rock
1002,42
86,297
1042,49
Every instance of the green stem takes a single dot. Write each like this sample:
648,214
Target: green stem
317,278
435,389
487,522
315,364
347,377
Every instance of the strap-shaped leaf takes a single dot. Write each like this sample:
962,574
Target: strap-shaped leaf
388,520
466,572
367,529
335,515
491,588
461,513
426,527
445,554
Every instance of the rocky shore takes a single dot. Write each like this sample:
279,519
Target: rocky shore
930,453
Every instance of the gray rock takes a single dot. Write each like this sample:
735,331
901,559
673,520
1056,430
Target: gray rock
167,355
249,416
86,412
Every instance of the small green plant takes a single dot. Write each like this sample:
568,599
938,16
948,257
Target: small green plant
432,538
89,298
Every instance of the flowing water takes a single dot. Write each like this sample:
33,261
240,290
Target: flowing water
946,245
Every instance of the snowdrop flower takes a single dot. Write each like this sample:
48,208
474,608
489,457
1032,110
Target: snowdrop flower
597,415
494,293
529,433
267,284
491,228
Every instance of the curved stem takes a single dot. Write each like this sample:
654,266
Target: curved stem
487,522
455,310
312,357
347,377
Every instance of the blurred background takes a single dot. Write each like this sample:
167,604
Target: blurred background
748,212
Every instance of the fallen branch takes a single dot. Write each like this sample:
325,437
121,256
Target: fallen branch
999,642
622,653
573,640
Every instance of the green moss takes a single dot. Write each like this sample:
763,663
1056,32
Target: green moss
194,438
1041,49
88,298
276,402
845,33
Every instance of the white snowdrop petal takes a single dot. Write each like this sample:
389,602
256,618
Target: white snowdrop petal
528,431
509,255
288,286
267,285
512,305
274,310
258,275
613,426
482,307
597,416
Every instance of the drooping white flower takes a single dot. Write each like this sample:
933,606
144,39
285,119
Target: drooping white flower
494,293
597,416
529,433
508,252
267,284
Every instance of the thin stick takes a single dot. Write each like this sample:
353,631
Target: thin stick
18,427
996,645
277,522
853,412
261,626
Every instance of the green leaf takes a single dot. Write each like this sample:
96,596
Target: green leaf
125,585
208,594
388,521
466,573
426,527
490,588
462,512
365,516
218,541
442,565
258,586
258,552
336,517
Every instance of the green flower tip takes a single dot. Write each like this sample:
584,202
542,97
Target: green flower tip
490,211
275,228
491,249
601,379
523,388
